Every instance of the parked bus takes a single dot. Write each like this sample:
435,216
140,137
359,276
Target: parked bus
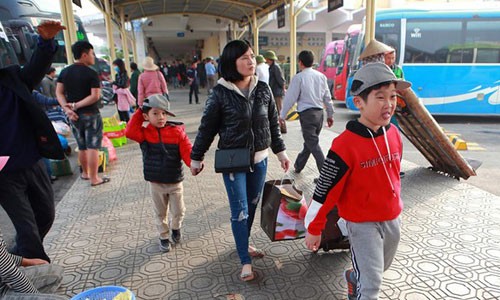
350,41
451,57
330,60
22,18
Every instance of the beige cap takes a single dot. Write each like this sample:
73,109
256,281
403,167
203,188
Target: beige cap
149,64
375,47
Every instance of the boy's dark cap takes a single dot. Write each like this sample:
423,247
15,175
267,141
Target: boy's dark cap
374,73
158,101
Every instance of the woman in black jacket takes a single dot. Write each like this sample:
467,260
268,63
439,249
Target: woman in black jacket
242,111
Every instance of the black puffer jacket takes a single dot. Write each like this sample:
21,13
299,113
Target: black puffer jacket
227,113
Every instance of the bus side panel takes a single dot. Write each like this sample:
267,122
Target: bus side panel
455,89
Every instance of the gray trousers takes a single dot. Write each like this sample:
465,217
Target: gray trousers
373,247
311,122
45,278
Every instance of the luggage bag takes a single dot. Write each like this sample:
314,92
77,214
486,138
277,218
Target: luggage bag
332,237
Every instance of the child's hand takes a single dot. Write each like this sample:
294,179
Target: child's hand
312,241
26,262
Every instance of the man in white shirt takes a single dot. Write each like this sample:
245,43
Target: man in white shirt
310,90
262,70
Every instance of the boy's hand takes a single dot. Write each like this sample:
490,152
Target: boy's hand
48,29
26,262
312,241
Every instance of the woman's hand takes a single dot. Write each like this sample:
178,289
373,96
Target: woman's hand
195,170
312,241
26,262
285,164
48,29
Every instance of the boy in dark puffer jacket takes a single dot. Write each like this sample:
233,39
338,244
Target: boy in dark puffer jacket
164,146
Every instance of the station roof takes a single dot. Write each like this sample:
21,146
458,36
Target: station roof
237,10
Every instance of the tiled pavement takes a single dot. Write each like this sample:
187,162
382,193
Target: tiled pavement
450,245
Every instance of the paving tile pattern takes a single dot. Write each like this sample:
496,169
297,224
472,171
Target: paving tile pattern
450,244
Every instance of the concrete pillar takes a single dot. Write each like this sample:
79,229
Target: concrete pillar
109,34
124,36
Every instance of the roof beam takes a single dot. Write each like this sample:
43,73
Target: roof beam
240,3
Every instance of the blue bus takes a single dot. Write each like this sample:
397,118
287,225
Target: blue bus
451,57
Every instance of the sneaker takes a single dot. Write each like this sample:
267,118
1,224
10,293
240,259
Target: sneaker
176,235
351,284
164,245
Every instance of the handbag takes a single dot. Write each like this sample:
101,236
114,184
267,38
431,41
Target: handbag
283,210
236,159
233,160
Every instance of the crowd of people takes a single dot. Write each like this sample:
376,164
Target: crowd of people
246,108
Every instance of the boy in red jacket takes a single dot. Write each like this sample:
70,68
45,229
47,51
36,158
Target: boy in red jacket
164,146
361,177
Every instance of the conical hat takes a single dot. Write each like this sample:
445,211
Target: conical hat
375,47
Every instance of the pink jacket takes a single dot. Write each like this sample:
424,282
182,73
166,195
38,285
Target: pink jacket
125,99
150,82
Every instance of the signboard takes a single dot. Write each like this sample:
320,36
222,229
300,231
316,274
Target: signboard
281,16
263,41
180,34
334,4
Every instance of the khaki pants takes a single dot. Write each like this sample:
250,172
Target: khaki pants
165,196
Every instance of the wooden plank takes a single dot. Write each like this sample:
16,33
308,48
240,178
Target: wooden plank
422,130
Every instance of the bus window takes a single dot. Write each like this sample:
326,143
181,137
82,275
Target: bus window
424,38
388,32
488,56
461,56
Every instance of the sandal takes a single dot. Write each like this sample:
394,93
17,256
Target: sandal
247,276
104,180
256,253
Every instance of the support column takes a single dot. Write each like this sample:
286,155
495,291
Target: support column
370,21
109,34
222,41
66,33
293,42
255,31
140,44
126,58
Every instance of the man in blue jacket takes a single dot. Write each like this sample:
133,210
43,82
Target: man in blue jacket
27,136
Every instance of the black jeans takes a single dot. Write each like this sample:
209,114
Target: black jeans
28,199
193,88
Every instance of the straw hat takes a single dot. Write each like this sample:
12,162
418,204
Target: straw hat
374,47
149,64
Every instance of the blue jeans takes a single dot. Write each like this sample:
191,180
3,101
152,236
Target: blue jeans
244,191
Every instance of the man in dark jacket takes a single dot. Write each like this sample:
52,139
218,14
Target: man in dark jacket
276,82
27,135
